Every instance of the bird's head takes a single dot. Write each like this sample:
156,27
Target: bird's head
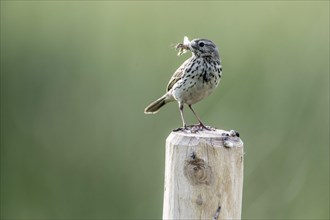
199,47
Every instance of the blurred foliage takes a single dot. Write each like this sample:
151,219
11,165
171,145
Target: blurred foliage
76,76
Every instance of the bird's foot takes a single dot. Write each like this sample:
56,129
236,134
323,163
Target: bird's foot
201,127
188,129
194,128
184,128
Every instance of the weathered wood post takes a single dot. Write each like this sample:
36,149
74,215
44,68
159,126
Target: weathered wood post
203,175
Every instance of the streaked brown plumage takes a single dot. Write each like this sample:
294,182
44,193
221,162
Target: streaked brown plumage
194,80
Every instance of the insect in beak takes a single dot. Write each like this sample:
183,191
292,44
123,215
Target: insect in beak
183,47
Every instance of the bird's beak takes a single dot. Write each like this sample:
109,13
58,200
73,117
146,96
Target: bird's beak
192,45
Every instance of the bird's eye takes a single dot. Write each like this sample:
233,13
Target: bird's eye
201,44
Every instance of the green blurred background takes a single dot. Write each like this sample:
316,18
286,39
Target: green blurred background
76,76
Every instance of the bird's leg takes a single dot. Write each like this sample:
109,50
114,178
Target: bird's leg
182,118
199,120
181,113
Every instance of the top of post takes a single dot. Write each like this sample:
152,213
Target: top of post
215,136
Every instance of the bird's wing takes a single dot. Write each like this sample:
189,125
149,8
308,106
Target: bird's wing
177,75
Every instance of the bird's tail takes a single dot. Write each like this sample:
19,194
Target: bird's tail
154,107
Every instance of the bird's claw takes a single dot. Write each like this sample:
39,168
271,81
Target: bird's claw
201,127
184,128
194,128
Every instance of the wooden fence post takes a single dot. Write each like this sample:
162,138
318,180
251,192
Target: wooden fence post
203,175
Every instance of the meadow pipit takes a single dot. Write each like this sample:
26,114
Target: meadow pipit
194,80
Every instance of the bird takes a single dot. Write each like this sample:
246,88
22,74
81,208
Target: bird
194,80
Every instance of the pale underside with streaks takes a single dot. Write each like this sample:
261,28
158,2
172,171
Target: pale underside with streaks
194,80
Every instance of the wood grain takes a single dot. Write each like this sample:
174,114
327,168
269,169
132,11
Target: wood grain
203,175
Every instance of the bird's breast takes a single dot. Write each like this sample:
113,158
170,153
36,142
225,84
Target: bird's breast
198,82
